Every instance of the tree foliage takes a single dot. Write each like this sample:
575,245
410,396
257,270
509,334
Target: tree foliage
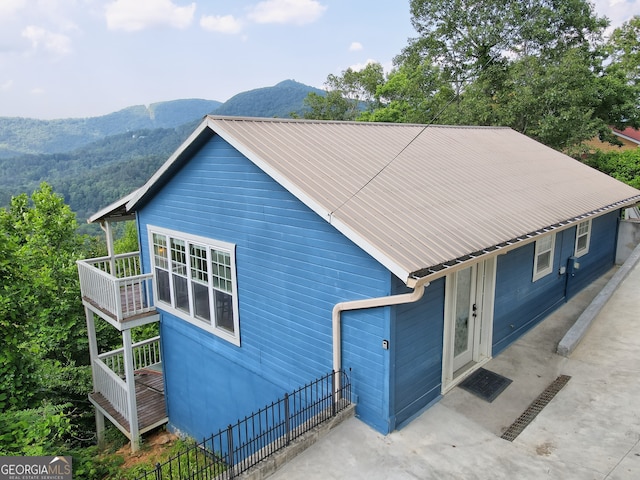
44,359
347,94
541,67
623,165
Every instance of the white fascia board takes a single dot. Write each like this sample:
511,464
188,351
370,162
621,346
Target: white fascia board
622,135
104,212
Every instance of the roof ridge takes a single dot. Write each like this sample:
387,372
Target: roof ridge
230,118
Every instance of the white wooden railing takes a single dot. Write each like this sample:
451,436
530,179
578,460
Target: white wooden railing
124,294
145,354
112,387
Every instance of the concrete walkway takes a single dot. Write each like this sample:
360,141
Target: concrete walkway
590,430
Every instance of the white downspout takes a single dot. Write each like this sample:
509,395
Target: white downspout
414,296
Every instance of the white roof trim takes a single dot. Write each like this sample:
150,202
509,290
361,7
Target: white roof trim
108,210
626,137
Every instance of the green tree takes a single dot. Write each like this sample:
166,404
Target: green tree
17,367
620,79
624,49
347,94
623,165
414,92
44,355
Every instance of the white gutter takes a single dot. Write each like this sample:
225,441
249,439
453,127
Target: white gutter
414,296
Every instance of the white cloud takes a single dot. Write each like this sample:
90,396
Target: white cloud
37,91
360,66
386,66
617,11
55,43
134,15
297,12
6,86
355,47
8,7
221,23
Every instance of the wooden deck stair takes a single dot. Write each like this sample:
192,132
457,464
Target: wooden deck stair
150,402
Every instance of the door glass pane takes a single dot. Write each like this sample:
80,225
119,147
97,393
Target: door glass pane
463,296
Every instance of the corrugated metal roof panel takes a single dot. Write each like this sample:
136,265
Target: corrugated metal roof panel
418,196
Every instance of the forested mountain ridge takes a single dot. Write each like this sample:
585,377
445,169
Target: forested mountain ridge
97,174
91,169
31,136
281,100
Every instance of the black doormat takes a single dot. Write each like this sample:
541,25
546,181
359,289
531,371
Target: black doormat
485,384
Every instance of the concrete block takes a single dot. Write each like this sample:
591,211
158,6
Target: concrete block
575,334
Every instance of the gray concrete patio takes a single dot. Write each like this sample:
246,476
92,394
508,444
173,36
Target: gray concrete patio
590,430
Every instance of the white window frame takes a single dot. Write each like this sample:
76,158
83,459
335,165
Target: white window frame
540,250
176,270
583,229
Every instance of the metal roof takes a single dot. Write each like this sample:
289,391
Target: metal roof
418,198
116,211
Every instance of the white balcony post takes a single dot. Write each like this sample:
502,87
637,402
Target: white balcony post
93,354
93,343
106,227
131,390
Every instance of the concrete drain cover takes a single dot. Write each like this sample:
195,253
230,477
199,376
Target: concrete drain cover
535,408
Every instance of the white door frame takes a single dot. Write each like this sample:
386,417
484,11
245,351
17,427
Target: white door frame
485,282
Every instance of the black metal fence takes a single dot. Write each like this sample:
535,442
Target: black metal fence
239,447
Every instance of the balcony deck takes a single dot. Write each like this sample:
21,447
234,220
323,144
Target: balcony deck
131,301
150,403
117,290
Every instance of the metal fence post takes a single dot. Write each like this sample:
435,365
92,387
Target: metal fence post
287,426
334,399
231,455
309,410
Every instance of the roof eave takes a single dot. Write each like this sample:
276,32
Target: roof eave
431,273
117,211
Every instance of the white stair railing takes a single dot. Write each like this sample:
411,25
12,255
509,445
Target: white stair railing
145,354
112,387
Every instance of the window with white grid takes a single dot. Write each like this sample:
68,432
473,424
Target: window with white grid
543,259
583,238
195,279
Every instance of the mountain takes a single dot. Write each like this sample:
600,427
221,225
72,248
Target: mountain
31,136
94,175
94,161
281,101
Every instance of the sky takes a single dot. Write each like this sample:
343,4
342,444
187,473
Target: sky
84,58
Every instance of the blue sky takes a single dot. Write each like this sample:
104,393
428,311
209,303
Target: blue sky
81,58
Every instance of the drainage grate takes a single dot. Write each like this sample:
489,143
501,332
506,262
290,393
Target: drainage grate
535,408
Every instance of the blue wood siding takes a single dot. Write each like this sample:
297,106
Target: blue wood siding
601,255
521,303
416,348
292,268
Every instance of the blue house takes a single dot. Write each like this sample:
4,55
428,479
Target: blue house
276,251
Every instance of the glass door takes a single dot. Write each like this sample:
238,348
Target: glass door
465,315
